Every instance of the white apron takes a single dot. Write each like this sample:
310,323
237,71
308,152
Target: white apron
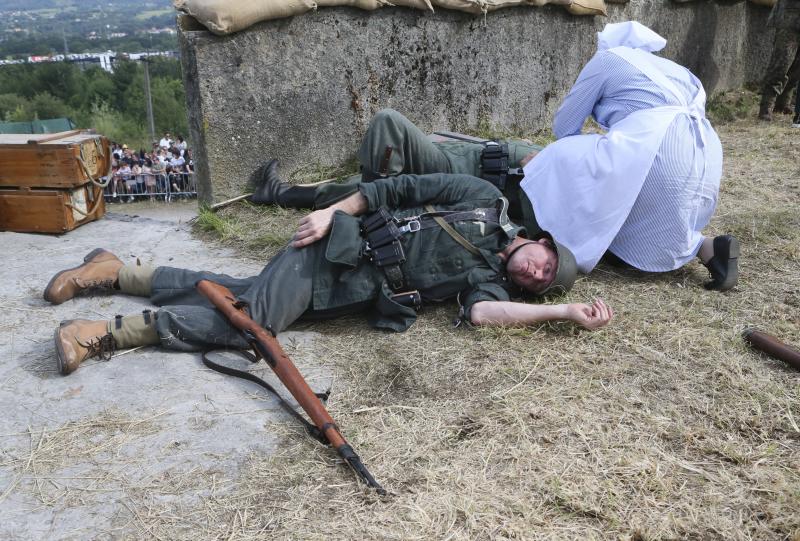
582,187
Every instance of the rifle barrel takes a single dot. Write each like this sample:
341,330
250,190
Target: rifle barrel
773,347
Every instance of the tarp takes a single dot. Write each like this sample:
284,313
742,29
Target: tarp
53,125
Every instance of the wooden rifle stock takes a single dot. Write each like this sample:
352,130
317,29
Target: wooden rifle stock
772,346
267,346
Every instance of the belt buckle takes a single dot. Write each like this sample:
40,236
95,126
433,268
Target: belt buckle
414,226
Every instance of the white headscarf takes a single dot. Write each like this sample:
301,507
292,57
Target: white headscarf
629,34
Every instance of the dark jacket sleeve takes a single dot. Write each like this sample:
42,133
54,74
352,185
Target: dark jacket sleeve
405,191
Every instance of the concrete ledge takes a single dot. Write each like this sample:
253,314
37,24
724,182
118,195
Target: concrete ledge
303,89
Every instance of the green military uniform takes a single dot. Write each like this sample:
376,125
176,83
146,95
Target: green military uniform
785,18
413,152
333,277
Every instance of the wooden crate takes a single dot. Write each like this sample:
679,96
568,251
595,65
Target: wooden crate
56,160
50,210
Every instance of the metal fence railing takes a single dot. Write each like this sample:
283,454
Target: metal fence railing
154,186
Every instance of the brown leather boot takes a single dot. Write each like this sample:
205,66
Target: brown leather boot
99,271
81,339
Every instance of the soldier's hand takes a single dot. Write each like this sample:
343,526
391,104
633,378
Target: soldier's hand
313,227
592,316
524,161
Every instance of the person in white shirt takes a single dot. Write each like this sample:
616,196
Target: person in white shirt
646,188
165,142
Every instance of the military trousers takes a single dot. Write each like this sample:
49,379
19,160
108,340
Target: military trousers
787,42
393,145
277,297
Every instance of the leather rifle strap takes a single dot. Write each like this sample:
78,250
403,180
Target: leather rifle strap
453,233
313,431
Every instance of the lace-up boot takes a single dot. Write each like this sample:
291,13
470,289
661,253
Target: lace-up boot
81,339
100,270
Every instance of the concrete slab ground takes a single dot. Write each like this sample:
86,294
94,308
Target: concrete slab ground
81,454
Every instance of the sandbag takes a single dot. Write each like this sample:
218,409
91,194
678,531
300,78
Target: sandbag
224,17
587,7
367,5
767,3
424,5
470,6
484,6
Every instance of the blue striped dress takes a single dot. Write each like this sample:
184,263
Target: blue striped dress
663,229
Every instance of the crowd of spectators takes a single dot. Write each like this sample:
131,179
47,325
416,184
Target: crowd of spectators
165,172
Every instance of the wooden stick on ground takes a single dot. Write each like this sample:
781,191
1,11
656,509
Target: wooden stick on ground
227,202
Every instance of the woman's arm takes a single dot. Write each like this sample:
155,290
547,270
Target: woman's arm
499,313
584,94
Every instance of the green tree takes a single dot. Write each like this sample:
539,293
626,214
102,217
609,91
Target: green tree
61,80
117,126
99,87
10,103
45,106
169,109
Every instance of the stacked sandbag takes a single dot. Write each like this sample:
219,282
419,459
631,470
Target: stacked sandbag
225,17
576,7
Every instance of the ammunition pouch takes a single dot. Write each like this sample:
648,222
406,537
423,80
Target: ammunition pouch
494,163
384,249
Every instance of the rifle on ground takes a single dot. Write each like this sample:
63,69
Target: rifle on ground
267,347
772,346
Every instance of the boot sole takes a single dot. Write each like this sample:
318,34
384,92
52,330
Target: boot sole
94,253
62,369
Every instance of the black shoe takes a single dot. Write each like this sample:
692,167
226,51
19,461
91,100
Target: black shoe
724,266
269,185
780,109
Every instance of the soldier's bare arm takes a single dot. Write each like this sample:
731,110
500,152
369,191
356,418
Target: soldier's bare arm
497,313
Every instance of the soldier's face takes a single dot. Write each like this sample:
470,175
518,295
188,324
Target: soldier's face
533,267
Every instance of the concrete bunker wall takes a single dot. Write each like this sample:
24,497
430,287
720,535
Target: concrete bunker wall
303,89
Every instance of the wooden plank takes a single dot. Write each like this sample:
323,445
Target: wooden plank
52,137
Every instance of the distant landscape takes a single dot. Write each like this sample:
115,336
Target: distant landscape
39,35
42,27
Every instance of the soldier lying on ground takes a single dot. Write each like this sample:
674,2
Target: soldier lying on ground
477,255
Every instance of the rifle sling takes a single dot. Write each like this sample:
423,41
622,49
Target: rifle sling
453,233
313,431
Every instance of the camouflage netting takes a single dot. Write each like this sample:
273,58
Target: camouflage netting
225,17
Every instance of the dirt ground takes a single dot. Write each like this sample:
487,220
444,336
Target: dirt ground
664,425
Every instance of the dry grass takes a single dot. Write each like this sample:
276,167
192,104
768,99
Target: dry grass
664,425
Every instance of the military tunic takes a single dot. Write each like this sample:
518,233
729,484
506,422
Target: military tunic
413,152
334,277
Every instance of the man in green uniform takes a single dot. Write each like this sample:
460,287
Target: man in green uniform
785,18
393,145
482,258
